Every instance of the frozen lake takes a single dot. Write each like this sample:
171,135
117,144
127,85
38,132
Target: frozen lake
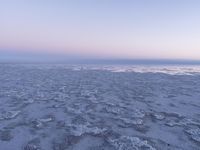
77,107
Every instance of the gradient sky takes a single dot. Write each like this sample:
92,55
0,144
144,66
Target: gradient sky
152,29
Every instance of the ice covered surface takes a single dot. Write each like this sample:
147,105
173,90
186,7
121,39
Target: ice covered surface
63,107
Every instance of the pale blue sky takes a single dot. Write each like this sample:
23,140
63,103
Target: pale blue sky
160,29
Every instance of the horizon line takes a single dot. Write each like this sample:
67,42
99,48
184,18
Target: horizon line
102,61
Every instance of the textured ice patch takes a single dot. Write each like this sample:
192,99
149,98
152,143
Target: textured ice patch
173,123
78,130
194,134
61,97
88,93
9,114
74,111
132,121
115,110
182,122
38,123
191,121
31,147
138,113
130,143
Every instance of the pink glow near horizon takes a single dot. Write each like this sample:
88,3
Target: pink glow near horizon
118,29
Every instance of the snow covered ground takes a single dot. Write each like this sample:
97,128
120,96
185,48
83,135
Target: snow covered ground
63,107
